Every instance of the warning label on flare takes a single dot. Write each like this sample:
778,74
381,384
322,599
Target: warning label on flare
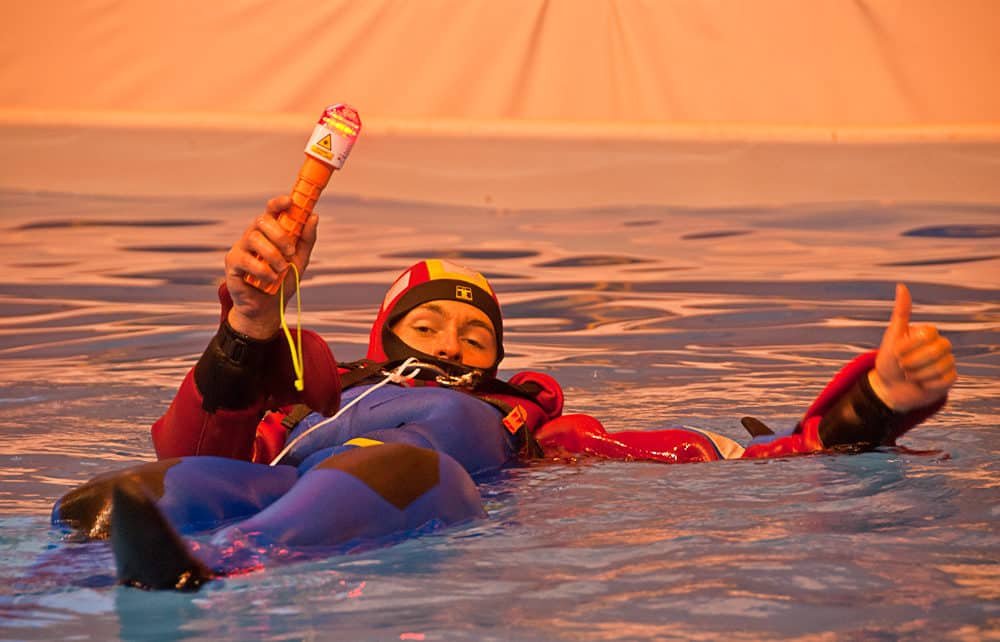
326,147
323,147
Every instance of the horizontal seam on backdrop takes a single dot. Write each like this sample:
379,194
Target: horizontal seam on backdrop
514,129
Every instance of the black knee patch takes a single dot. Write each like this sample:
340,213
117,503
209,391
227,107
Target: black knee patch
399,473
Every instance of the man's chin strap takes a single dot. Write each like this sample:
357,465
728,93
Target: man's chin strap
444,372
432,371
441,372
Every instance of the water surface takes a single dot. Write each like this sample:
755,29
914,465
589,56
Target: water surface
649,316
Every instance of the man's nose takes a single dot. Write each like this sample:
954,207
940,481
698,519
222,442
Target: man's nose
449,347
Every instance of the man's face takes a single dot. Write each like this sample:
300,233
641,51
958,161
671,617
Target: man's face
450,330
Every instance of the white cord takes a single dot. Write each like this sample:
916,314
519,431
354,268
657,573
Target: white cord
396,376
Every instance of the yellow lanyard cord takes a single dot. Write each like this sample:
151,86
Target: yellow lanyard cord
295,348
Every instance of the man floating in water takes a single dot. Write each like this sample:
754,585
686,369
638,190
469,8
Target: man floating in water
391,444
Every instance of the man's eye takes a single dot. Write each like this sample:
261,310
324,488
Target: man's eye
476,342
423,329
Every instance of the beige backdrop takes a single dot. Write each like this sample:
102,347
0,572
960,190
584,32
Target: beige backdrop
799,62
510,102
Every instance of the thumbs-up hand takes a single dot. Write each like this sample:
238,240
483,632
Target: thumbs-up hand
915,366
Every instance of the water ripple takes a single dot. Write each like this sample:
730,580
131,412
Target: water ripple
649,316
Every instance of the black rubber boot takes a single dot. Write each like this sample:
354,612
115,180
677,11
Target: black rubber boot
87,508
148,552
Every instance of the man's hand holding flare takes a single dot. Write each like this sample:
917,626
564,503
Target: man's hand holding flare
264,251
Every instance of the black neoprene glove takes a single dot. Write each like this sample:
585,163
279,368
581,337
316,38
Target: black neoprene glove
234,371
859,419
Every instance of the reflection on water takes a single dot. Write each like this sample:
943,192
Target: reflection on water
956,231
649,316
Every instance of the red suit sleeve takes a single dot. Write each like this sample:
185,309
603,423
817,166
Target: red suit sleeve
571,435
188,429
545,391
577,434
223,398
846,414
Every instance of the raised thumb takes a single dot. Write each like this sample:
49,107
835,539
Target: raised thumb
900,320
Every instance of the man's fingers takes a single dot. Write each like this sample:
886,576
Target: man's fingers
242,264
278,204
936,383
275,234
920,339
937,369
930,365
308,238
255,254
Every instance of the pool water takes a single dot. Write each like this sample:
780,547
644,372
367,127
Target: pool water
649,316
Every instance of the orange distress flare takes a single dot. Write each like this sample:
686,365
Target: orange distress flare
327,151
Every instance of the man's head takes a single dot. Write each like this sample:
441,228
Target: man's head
439,309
